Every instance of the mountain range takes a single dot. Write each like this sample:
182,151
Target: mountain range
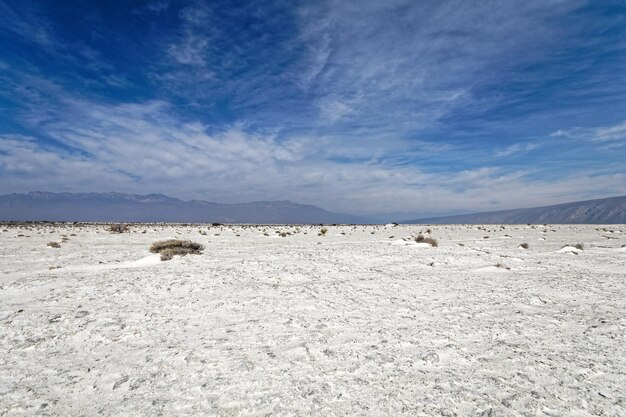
601,211
117,207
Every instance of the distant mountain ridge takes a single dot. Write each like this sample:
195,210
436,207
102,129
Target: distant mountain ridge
119,207
600,211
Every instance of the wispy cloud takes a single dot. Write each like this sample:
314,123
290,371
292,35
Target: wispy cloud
31,27
196,29
158,6
516,149
412,63
614,134
75,60
334,110
144,147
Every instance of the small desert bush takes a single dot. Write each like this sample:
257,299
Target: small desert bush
429,240
323,231
524,246
169,248
578,246
119,228
54,245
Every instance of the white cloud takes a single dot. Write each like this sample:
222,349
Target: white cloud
334,110
606,134
191,50
144,147
516,149
158,6
411,63
194,41
27,165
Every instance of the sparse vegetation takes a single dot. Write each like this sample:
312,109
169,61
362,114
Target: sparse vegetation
168,248
119,228
54,245
323,231
578,246
422,239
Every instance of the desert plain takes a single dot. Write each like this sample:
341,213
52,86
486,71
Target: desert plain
282,321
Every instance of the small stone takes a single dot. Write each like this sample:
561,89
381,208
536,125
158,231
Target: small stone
54,319
120,381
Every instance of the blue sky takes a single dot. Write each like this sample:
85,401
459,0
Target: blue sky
419,107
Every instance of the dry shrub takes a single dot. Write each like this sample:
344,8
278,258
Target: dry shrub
119,228
54,245
524,246
578,246
422,239
323,231
169,248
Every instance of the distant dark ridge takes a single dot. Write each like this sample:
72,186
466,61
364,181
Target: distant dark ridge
118,207
601,211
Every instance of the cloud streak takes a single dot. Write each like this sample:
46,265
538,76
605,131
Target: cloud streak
141,148
615,134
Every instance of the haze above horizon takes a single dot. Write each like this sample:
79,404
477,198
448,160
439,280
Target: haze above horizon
359,107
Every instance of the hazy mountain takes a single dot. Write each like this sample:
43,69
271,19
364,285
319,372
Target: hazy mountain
602,211
116,207
392,217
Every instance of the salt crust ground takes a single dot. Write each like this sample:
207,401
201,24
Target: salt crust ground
353,323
